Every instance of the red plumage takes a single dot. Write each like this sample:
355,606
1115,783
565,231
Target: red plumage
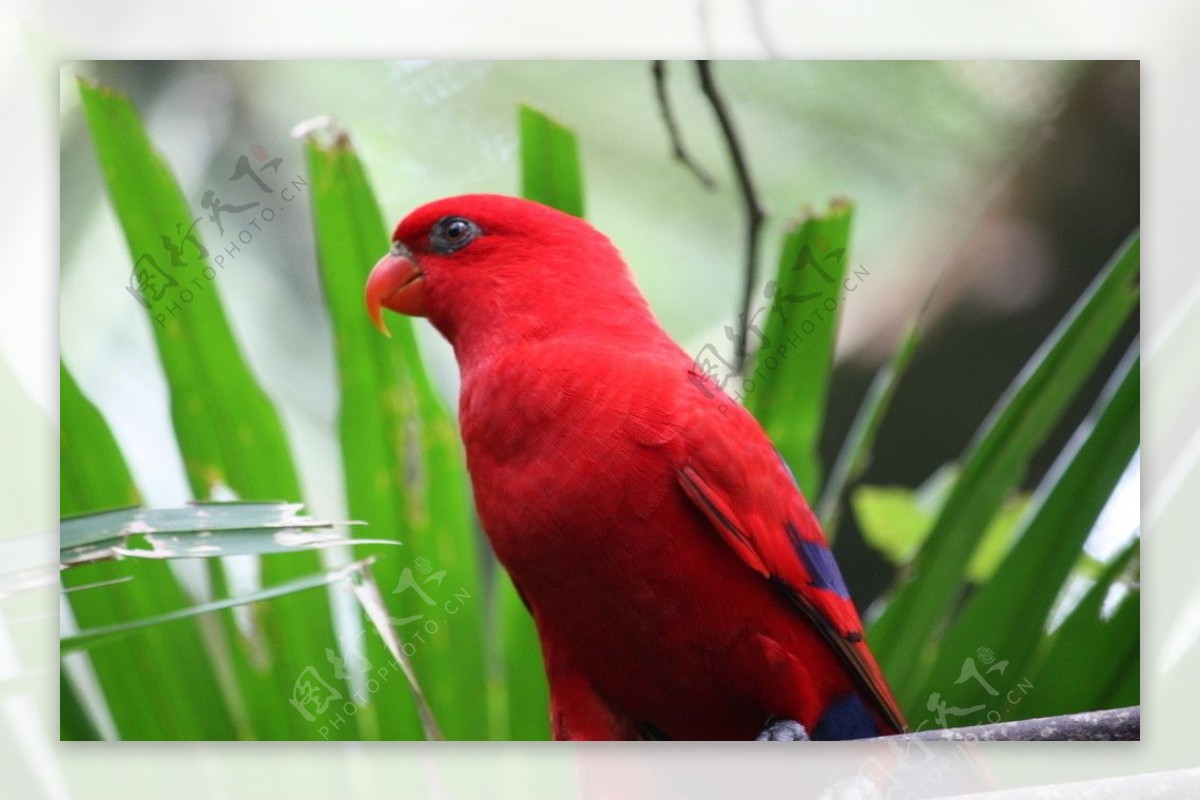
680,584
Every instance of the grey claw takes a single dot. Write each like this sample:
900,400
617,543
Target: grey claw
786,731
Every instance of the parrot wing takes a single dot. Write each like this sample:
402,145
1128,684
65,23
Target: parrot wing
736,478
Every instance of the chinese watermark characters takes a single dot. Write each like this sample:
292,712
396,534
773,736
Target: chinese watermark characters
330,704
165,282
711,369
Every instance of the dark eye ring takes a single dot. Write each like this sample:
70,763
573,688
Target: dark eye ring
452,233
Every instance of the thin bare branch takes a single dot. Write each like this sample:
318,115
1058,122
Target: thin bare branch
753,208
659,68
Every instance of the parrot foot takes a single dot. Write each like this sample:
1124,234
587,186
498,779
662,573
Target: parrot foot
787,731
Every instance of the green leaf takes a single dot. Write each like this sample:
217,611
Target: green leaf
789,385
202,530
896,521
366,592
147,700
527,694
74,721
550,171
1009,614
95,527
95,535
997,460
998,540
100,635
402,461
228,432
92,472
1092,661
892,521
855,454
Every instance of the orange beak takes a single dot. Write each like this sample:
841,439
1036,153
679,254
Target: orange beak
396,283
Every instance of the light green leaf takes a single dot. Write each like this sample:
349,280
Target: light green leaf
892,521
896,521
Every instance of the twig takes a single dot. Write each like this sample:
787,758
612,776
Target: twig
659,68
1109,724
754,211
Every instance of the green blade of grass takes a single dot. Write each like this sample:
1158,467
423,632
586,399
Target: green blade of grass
93,637
92,471
550,171
789,384
199,531
1092,661
92,528
402,463
855,455
366,592
996,461
1125,689
151,693
1008,614
228,431
235,542
524,680
228,529
74,722
227,428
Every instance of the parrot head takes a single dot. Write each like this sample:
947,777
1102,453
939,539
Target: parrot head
501,266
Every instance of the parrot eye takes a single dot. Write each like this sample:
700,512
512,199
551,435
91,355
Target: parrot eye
452,233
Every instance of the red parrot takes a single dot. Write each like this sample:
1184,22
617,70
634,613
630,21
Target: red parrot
680,584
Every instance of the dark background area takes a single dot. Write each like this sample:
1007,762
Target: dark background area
1068,207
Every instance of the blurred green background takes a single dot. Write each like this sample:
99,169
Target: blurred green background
1013,181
